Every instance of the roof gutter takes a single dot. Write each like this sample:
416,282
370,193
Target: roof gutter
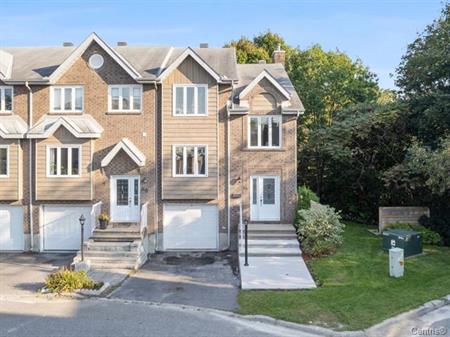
26,82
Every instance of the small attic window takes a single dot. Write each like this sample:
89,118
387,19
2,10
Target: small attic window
96,61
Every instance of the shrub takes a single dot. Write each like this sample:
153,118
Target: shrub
305,196
68,280
319,230
429,237
440,224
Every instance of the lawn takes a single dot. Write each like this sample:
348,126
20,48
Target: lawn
355,290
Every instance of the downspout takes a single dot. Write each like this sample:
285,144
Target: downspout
30,164
228,168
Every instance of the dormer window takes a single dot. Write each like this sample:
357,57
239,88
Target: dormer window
190,100
6,99
66,99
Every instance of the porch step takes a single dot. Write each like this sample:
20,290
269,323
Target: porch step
269,231
123,224
275,251
273,243
270,227
272,236
119,235
111,246
109,254
271,255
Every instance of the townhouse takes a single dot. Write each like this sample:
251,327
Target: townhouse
180,144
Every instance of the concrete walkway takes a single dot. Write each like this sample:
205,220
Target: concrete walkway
275,272
275,259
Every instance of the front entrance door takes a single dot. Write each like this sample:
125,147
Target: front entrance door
125,195
265,198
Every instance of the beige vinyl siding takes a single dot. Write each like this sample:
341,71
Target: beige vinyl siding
10,187
263,102
196,130
61,188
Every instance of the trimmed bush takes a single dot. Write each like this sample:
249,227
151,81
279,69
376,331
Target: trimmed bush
319,230
305,196
66,280
428,236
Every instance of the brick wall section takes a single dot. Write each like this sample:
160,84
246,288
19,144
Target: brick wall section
246,162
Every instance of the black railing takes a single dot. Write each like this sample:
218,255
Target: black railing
246,241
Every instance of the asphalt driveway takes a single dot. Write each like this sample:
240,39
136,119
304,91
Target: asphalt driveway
207,280
23,274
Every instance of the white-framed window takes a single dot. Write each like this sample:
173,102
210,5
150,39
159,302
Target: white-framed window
264,131
190,99
125,98
190,160
6,99
66,99
64,161
4,161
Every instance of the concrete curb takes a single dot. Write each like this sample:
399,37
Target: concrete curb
311,329
412,314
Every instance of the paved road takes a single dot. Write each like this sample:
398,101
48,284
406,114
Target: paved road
117,318
206,280
22,274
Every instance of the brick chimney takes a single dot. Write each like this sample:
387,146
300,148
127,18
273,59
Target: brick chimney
279,56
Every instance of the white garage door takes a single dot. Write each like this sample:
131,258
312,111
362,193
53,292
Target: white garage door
11,228
61,227
191,227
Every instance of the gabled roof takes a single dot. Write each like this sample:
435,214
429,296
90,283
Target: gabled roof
248,72
130,149
63,67
6,60
189,52
12,127
271,79
83,126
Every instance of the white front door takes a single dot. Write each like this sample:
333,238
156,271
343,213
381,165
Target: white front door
125,195
265,198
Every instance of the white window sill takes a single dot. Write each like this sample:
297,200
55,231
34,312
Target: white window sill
273,149
66,112
6,112
135,112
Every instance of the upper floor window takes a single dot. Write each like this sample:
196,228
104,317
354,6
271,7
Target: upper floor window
125,98
190,160
264,131
4,161
6,99
190,100
66,99
63,161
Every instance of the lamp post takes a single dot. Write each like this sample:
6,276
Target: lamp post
82,220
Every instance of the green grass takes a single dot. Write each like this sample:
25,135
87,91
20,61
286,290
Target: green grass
355,290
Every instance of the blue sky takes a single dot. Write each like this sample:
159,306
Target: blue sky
377,31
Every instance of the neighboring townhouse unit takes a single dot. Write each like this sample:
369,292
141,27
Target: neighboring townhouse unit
170,142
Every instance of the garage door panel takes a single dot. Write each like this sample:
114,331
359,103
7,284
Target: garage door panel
11,228
61,227
191,227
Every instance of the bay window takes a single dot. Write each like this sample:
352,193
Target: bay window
66,99
190,160
190,100
125,98
264,132
63,161
6,99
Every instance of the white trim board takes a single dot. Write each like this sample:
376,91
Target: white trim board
189,52
130,149
68,62
271,79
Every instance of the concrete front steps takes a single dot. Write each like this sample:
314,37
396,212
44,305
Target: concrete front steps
115,247
272,240
274,259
